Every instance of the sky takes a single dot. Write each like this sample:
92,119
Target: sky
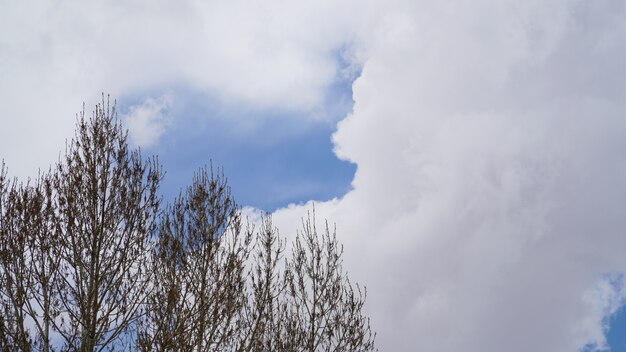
470,153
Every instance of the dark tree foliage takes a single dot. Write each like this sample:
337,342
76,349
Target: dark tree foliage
91,261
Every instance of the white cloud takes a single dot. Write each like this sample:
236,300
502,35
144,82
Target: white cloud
489,199
603,301
147,121
53,56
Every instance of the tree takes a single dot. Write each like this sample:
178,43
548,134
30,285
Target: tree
91,261
29,262
308,304
323,308
200,262
107,203
13,269
205,300
263,312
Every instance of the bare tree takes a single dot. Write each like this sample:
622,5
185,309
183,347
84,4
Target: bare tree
165,325
13,266
199,264
262,312
323,311
87,258
44,260
106,200
29,261
203,299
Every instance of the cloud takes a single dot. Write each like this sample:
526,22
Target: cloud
605,300
147,121
489,199
53,56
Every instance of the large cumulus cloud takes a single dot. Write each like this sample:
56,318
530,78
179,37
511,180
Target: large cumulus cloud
489,205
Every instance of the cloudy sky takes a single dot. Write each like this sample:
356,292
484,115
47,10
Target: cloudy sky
471,153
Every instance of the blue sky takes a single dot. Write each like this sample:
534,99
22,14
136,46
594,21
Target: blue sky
271,157
296,166
616,336
469,152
